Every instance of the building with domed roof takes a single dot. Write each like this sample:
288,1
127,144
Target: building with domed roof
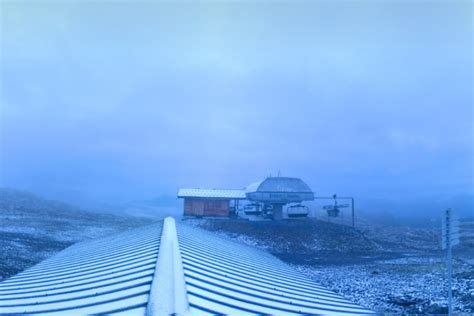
271,193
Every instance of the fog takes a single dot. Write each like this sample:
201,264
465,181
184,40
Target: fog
106,102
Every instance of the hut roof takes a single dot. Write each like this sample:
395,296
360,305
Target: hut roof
279,184
211,193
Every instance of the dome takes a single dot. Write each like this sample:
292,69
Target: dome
279,190
283,184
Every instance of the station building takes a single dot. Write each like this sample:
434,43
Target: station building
271,193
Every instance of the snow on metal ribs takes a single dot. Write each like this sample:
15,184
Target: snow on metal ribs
166,269
224,277
107,276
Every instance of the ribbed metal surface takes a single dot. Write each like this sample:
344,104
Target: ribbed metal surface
114,276
224,277
107,276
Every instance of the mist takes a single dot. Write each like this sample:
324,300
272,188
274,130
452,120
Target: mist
105,103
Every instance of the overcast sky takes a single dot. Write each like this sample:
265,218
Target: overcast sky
130,100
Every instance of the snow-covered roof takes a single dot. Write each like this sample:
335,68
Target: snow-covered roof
253,187
163,269
279,184
211,193
105,276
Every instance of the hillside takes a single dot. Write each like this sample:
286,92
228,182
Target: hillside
297,240
398,269
33,228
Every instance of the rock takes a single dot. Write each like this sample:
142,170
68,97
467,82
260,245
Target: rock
436,309
404,300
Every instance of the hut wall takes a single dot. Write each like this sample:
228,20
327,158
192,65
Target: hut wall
206,207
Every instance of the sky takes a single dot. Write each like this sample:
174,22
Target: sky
123,100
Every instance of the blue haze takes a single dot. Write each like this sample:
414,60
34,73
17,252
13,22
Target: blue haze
106,102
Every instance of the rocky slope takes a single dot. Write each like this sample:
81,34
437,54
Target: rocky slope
32,228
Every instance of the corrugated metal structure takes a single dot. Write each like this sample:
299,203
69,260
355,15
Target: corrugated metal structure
209,202
224,277
107,276
167,269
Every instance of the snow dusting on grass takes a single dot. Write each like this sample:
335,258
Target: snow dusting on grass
395,269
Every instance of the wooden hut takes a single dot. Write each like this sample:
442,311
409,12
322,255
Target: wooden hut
209,202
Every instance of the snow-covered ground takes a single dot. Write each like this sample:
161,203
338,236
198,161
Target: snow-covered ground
414,285
390,269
